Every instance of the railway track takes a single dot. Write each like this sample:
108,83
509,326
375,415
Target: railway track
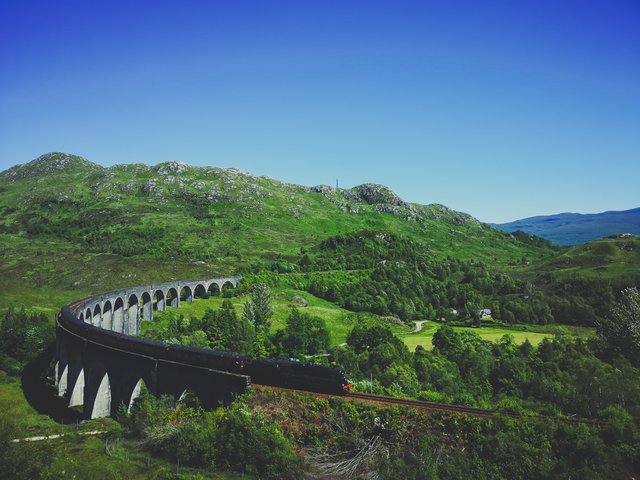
429,406
433,407
381,400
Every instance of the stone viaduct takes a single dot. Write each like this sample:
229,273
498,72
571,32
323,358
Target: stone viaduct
101,366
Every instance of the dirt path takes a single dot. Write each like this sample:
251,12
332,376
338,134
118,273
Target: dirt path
419,326
51,437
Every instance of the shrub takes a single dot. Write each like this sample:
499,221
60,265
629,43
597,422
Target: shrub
229,438
23,336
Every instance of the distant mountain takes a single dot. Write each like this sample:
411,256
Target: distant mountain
577,228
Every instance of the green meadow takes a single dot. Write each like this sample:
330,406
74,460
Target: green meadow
424,337
340,321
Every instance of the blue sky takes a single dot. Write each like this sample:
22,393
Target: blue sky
499,109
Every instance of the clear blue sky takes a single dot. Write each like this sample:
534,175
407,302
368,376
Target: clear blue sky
499,109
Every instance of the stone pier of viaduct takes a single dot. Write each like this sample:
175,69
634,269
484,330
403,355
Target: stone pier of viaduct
101,365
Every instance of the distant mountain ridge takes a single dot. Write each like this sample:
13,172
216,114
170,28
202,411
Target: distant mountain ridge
577,228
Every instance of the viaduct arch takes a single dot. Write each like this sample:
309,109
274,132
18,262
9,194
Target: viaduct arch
102,366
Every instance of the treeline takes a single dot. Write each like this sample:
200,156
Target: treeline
429,290
248,333
451,290
411,445
584,300
386,274
219,329
593,379
557,377
307,435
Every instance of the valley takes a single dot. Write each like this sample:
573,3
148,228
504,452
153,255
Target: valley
509,322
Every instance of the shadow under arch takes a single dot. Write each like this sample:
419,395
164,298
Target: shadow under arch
40,393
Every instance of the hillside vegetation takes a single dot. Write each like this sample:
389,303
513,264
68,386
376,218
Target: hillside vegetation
70,227
69,224
340,277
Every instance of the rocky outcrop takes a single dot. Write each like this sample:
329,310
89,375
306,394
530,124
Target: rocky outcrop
51,164
373,194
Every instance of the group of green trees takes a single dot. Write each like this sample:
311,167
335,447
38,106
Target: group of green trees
241,438
387,274
620,330
231,438
218,329
249,333
303,334
506,449
561,376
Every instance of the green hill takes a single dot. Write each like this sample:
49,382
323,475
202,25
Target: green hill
350,260
70,224
611,258
70,227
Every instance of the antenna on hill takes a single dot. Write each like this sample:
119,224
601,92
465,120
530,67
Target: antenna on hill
336,184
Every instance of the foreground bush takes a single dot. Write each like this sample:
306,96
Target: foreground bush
230,438
22,336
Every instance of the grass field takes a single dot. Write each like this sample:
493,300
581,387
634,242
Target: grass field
423,338
535,334
14,404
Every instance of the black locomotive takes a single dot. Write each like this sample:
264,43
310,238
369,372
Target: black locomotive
263,371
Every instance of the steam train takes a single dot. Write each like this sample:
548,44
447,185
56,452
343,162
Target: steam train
289,374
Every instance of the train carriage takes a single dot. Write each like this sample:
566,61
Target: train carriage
263,371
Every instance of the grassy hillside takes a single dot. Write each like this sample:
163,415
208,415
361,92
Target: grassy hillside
68,224
70,227
610,258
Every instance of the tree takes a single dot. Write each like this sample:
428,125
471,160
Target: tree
446,339
262,309
259,345
621,329
369,334
24,335
304,334
242,336
248,312
197,339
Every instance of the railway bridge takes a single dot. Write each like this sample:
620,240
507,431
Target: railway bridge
101,365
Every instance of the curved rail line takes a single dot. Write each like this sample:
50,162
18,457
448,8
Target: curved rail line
188,357
155,359
432,407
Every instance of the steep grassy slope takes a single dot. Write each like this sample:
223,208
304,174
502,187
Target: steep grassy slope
68,223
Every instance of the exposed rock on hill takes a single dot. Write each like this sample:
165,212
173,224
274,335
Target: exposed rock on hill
174,209
373,193
50,164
